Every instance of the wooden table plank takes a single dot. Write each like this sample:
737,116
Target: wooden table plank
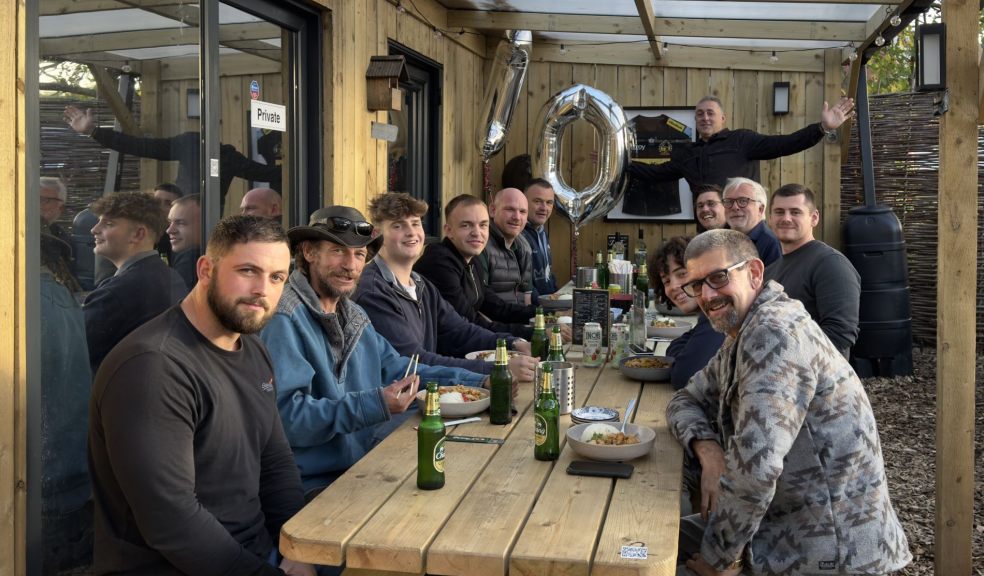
482,531
399,533
646,511
559,537
319,533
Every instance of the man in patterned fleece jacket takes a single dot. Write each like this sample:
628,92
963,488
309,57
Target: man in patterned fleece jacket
793,479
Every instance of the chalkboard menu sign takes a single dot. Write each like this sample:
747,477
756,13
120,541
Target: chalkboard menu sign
590,306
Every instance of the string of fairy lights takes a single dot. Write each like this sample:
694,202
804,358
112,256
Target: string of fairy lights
894,19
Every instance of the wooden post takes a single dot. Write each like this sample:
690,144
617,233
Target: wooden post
956,294
831,204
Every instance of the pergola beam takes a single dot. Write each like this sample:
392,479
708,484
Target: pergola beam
698,27
648,18
129,40
104,84
639,54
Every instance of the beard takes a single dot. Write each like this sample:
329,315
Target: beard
727,323
229,315
321,282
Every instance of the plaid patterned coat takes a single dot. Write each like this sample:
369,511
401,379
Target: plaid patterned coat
804,486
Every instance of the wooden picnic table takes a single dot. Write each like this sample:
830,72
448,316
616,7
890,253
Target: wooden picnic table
501,511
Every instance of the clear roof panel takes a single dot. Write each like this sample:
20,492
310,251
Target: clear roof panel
746,43
103,22
813,11
230,15
166,52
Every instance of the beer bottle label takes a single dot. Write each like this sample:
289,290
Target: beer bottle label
540,430
439,455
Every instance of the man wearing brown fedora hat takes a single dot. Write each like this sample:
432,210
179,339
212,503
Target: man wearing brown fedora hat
341,386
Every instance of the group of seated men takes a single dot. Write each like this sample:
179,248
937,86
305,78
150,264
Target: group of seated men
775,423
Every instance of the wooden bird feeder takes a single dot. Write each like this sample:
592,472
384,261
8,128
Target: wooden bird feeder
383,82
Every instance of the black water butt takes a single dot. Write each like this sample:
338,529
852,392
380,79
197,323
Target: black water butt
874,244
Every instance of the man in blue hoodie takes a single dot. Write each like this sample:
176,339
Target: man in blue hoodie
340,385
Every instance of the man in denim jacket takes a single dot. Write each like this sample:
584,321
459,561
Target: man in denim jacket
340,384
793,479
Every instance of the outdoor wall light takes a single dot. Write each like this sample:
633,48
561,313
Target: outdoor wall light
930,57
780,98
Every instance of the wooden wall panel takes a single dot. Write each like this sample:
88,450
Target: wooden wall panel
13,255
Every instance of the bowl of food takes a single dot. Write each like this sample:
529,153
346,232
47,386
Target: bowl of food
646,368
457,401
663,327
557,301
488,355
605,441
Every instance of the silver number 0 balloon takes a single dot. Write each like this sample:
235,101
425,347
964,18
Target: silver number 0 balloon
617,139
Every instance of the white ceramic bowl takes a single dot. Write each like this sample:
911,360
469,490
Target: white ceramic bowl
668,331
455,409
487,355
612,453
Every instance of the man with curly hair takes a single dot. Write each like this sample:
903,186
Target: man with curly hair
143,286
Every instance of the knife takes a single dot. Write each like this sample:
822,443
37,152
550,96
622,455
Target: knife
473,439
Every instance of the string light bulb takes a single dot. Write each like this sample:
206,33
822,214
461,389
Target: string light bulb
854,53
438,33
563,49
666,47
774,57
896,20
400,8
879,40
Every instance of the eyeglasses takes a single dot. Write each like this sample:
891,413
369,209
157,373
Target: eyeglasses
342,224
717,280
47,200
741,202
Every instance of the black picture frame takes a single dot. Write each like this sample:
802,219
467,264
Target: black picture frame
635,205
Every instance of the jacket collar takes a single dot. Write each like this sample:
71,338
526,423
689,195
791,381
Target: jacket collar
390,278
723,134
446,242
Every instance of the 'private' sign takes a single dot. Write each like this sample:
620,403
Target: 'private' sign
267,115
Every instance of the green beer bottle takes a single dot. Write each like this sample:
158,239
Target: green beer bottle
556,346
546,418
500,403
539,347
430,443
642,285
602,269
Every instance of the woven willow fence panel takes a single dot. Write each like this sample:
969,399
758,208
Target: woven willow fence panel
905,149
78,160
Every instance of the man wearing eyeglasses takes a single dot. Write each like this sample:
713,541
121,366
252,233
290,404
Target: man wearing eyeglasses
720,153
341,387
709,208
793,478
745,202
820,277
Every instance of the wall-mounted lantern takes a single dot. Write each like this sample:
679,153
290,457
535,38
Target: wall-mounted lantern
780,98
930,57
383,82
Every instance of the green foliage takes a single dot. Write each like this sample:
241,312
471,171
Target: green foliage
893,67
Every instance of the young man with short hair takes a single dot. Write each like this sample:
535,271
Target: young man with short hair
184,229
709,208
409,311
143,286
540,199
192,472
820,277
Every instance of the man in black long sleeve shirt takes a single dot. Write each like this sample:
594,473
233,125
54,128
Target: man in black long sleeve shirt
452,268
720,153
192,473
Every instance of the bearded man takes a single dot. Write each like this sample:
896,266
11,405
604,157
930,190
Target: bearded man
192,473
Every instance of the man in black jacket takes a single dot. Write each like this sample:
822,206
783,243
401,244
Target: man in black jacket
451,266
142,287
720,153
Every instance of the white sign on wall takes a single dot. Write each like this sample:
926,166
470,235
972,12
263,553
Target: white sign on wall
267,115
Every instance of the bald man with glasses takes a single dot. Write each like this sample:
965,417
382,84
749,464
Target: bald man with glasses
745,202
